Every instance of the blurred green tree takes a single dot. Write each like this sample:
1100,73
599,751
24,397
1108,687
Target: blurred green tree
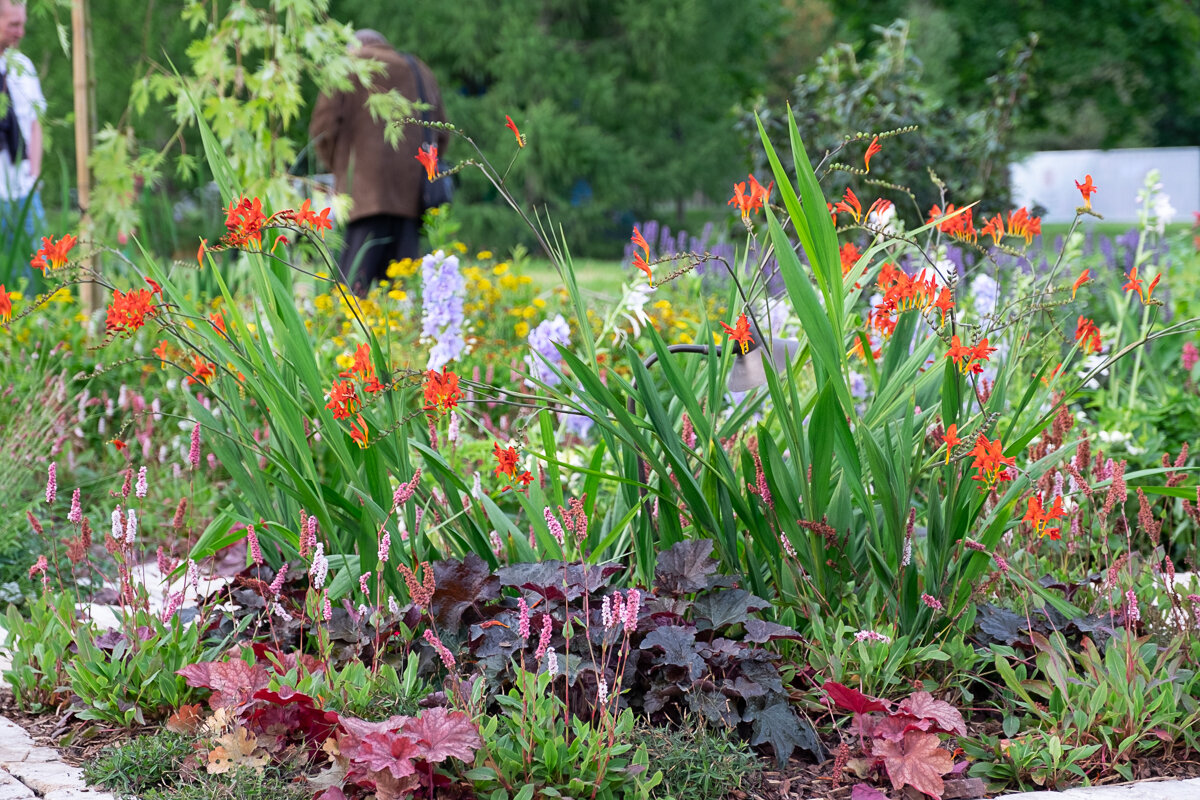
628,106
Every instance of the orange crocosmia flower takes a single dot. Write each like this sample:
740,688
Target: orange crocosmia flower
117,443
1134,284
759,195
441,390
512,126
202,371
163,351
200,252
1087,332
53,254
218,321
990,463
849,204
833,214
1087,189
1053,374
1150,288
506,460
640,260
428,158
944,302
872,149
128,311
740,334
981,352
641,264
244,223
1080,281
994,228
850,254
362,363
879,205
1038,516
5,304
961,355
358,431
307,218
343,399
951,440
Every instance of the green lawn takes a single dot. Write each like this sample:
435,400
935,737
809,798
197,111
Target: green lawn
599,276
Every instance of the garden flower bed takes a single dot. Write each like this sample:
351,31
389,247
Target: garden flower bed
892,508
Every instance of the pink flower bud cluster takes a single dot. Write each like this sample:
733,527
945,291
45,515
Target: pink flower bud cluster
252,542
442,651
319,568
277,584
140,489
75,515
871,636
194,452
556,529
52,482
622,611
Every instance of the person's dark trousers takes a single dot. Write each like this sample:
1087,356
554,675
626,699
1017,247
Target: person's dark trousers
372,243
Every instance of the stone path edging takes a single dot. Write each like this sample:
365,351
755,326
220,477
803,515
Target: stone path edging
1144,790
28,771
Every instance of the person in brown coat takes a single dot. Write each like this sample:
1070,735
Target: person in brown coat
384,182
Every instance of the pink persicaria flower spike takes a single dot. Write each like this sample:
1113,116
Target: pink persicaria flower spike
319,568
385,547
194,452
327,609
556,529
362,582
52,482
75,515
277,584
118,524
140,489
551,661
522,619
252,542
131,524
632,606
544,638
193,575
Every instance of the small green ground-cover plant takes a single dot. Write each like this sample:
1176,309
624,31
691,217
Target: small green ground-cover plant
697,761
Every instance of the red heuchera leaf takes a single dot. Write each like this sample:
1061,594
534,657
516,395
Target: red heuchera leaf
443,734
358,729
393,752
917,762
233,682
852,699
863,791
285,662
923,705
894,726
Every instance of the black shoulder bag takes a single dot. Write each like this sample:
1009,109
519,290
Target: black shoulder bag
440,190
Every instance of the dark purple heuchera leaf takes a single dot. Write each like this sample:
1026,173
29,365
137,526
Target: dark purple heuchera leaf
776,724
760,631
679,649
459,586
684,569
389,751
759,666
945,717
719,610
851,699
715,707
233,682
489,639
442,734
553,581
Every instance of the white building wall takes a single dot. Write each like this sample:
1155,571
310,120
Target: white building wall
1048,179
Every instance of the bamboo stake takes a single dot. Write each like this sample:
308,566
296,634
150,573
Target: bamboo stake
87,290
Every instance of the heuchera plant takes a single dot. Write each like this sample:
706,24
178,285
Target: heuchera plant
693,645
901,739
391,759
